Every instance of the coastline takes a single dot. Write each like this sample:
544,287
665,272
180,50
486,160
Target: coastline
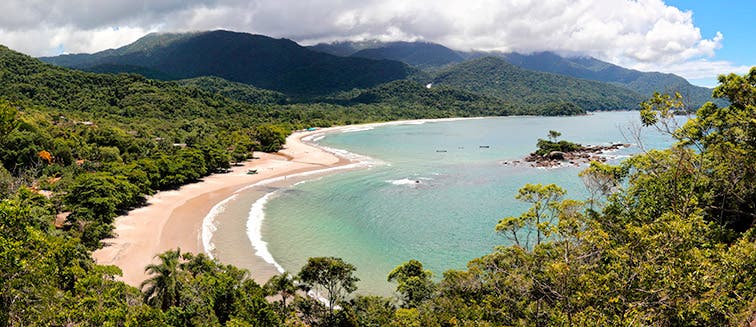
173,219
176,218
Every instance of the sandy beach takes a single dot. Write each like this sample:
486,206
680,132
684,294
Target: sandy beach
173,219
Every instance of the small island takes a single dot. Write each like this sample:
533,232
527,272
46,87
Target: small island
554,153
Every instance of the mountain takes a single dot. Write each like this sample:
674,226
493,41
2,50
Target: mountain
277,64
429,55
495,76
346,48
418,54
645,83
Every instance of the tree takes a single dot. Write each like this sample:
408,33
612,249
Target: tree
271,137
414,283
539,218
283,285
554,135
164,285
330,275
8,120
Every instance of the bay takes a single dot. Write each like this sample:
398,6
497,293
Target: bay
436,195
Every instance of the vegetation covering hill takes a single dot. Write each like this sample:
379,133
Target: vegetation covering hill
236,91
346,48
264,62
404,93
645,83
418,54
431,55
495,76
666,238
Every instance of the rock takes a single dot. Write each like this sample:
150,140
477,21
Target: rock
556,155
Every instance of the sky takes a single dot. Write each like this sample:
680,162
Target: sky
697,39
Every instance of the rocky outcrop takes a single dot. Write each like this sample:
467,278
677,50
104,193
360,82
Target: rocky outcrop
558,158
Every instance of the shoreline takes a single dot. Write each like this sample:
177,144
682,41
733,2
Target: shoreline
176,218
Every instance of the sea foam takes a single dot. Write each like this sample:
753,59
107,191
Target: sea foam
254,231
208,225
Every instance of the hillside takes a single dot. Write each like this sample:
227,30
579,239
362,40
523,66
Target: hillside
418,54
261,61
494,76
236,91
645,83
426,55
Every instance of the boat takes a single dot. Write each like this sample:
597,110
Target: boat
251,171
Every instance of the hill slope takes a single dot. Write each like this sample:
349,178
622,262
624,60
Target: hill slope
494,76
419,54
645,83
276,64
236,91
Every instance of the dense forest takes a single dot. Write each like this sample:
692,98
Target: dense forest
496,77
432,56
666,238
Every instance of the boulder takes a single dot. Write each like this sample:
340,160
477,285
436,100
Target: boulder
556,155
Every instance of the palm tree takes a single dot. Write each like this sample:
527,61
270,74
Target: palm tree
283,285
164,285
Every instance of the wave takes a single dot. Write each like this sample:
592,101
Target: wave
404,181
254,231
356,129
257,214
208,225
409,181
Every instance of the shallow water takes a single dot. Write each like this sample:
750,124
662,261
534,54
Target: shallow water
436,197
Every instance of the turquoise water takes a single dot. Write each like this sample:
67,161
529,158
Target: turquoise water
379,217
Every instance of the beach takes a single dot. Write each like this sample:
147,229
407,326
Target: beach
173,219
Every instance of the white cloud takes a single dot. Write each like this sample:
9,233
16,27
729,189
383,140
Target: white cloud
636,33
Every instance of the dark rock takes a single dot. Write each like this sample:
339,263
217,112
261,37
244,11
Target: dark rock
556,155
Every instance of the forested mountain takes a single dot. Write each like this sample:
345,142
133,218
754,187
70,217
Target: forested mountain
346,48
495,76
276,64
645,83
431,55
418,54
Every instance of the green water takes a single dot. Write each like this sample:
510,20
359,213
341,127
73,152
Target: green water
379,217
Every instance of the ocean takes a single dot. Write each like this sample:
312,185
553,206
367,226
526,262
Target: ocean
427,191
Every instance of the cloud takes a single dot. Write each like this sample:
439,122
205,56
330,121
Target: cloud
636,33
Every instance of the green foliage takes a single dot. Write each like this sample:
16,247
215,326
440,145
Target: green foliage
414,283
329,277
545,147
496,77
644,83
271,137
284,286
236,91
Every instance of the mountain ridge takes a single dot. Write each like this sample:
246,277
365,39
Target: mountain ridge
276,64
